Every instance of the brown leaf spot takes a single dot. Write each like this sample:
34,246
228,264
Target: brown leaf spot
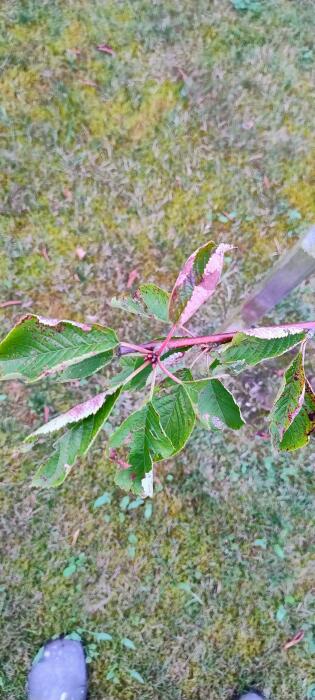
68,195
105,48
133,275
75,537
295,640
46,414
80,252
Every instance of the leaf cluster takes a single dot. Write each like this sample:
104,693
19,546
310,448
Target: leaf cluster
174,398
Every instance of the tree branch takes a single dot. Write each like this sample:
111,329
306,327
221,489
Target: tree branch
168,374
133,348
219,338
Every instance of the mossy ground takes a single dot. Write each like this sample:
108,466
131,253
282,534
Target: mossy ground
203,111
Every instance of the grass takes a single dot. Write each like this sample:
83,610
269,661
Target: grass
203,111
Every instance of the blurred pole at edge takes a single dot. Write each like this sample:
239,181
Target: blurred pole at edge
292,269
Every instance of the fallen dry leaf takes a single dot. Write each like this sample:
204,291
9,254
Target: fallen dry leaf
80,252
46,414
75,537
133,275
295,640
105,48
181,73
267,183
44,252
68,195
263,435
89,83
13,302
248,124
230,218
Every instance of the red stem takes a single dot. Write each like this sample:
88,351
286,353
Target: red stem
13,302
113,456
166,341
219,338
136,348
169,374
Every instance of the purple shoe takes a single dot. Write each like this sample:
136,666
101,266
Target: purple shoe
251,695
60,673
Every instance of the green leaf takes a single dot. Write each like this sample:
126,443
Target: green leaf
73,635
174,406
73,444
156,301
128,643
69,570
135,504
196,281
148,510
148,442
147,438
254,6
124,502
38,656
74,415
216,406
127,481
290,398
86,368
261,542
279,551
303,425
260,344
281,613
135,675
102,636
129,304
112,675
103,500
129,365
38,347
149,300
311,692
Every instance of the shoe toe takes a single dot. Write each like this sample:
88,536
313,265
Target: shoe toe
251,696
60,673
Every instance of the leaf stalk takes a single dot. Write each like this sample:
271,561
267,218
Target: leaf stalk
216,338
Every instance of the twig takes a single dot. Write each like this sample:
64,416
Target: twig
199,356
220,338
137,371
169,374
215,339
167,340
14,302
137,348
183,328
153,379
113,456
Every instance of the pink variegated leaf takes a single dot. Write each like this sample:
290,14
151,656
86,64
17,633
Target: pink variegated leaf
76,440
290,398
38,347
258,344
147,484
74,415
303,425
197,281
